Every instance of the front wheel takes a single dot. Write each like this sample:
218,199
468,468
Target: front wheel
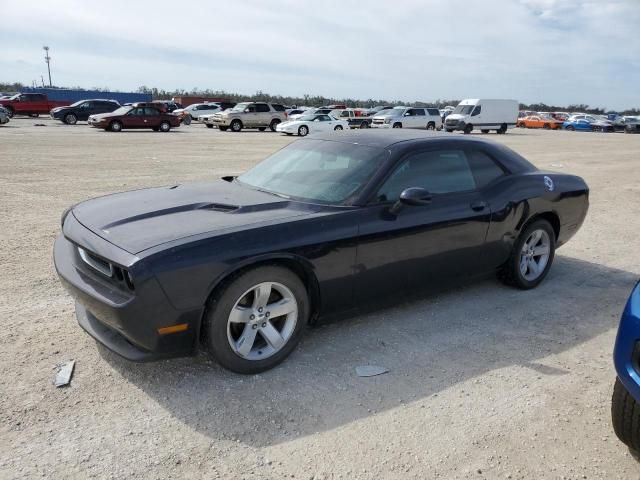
256,320
397,125
364,125
571,128
70,119
115,126
531,257
303,130
338,128
625,415
165,126
209,125
236,125
468,129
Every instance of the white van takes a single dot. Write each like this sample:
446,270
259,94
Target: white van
483,115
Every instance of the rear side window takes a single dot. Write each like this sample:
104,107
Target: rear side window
433,111
485,169
262,107
278,108
151,111
418,112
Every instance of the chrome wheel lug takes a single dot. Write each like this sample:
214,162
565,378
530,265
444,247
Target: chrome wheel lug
260,309
252,317
254,326
264,324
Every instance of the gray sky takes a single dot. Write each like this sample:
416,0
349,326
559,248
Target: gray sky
554,51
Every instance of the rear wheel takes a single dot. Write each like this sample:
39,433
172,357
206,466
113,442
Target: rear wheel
303,130
256,320
625,415
236,125
187,120
502,130
531,257
274,123
431,126
115,126
70,119
165,126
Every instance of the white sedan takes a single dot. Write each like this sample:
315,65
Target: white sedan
307,124
197,110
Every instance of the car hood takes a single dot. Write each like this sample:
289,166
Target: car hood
142,219
100,116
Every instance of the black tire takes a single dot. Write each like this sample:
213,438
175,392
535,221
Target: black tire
431,126
303,130
274,123
397,125
236,126
364,125
449,130
571,128
502,130
223,300
70,119
625,416
510,272
209,125
115,126
484,131
223,129
468,128
10,111
187,120
521,125
546,126
164,126
337,128
262,129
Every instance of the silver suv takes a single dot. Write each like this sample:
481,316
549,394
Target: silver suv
408,117
249,115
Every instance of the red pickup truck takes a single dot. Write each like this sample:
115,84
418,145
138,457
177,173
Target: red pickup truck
32,104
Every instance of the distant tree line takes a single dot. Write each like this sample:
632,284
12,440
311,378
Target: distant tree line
319,100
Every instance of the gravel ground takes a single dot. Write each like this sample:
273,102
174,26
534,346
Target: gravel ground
485,381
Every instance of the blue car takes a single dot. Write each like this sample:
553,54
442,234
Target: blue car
625,404
587,123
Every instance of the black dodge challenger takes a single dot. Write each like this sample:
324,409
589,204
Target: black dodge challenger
243,264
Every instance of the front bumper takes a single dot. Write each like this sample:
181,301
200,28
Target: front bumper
381,125
626,353
220,121
286,128
124,321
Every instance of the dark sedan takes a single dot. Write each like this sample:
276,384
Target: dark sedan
82,110
243,264
136,116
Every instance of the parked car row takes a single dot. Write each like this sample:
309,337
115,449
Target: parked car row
578,122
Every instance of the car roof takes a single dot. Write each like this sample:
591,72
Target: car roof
387,138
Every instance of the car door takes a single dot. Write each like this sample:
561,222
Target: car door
86,109
582,124
422,245
134,118
263,115
250,116
325,123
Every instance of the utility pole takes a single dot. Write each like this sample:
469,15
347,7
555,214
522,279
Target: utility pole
47,59
42,78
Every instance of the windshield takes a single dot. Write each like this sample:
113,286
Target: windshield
464,109
240,107
121,111
316,170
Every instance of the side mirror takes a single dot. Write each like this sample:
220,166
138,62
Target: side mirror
414,197
406,114
246,110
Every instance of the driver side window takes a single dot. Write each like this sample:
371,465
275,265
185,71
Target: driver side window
440,171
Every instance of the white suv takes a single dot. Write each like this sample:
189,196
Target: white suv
409,117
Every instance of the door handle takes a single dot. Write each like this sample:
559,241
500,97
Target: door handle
478,206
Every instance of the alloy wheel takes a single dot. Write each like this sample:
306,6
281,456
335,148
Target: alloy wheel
262,321
534,255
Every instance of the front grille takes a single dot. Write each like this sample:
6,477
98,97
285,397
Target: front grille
451,123
378,121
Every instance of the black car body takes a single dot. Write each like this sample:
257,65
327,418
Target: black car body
140,261
80,111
